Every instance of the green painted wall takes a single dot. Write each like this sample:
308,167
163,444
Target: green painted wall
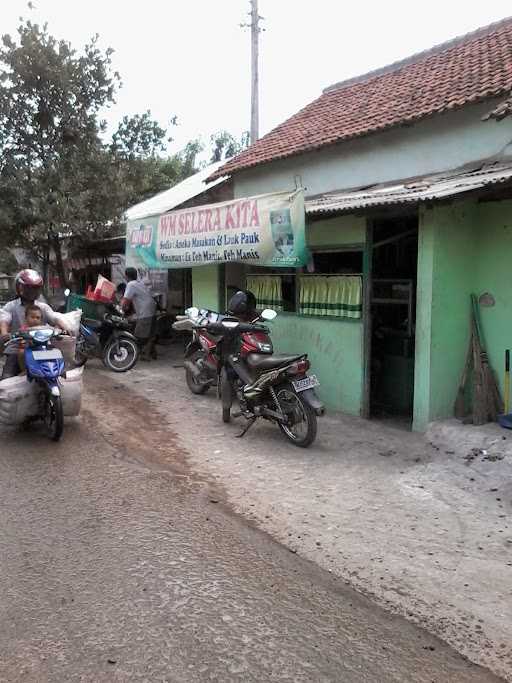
334,348
205,287
464,248
445,282
342,230
493,269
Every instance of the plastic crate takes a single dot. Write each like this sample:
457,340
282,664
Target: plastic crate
94,310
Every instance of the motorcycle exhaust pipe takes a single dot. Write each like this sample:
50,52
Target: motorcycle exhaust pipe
192,367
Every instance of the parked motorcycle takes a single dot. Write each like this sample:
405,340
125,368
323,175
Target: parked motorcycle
45,367
201,359
274,387
109,339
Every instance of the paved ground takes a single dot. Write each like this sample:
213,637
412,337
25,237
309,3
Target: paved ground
424,532
117,563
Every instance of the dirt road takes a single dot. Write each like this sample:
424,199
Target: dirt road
117,563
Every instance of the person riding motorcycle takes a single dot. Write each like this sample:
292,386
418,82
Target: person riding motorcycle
29,284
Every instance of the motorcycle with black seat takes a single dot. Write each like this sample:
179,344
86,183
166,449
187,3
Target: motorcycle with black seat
275,387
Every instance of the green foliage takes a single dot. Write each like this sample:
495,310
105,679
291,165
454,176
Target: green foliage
8,263
58,176
139,137
224,145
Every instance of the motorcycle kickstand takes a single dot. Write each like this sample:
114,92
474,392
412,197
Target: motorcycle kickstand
249,424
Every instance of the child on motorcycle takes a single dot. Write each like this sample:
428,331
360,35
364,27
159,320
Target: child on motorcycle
33,318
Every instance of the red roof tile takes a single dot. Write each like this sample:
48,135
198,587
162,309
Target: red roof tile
470,69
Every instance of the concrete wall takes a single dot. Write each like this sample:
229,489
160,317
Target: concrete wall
493,270
340,231
448,268
464,248
440,143
445,282
335,347
205,287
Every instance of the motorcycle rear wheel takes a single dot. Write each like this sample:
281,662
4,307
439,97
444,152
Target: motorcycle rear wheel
195,386
120,355
53,416
303,428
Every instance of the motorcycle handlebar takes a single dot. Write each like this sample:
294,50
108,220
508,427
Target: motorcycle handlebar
26,336
186,323
241,328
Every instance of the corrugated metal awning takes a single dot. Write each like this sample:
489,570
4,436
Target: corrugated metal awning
413,191
178,194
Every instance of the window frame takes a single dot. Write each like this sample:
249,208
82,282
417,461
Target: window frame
358,247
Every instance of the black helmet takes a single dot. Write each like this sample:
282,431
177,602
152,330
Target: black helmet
242,302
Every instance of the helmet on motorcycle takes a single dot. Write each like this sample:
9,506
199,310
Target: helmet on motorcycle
28,284
242,302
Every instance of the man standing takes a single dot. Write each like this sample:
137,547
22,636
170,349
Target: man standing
139,296
29,286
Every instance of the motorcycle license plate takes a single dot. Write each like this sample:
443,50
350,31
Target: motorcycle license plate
47,354
307,383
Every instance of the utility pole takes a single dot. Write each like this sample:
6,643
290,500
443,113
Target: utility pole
255,36
255,30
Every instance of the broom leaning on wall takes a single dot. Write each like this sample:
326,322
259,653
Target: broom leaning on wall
486,401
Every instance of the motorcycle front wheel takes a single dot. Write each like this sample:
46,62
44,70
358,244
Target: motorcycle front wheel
302,425
195,385
226,395
80,358
120,355
53,416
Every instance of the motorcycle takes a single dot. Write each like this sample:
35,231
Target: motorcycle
109,339
201,360
45,367
272,386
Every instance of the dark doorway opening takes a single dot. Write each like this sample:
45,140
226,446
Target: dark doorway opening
392,311
179,283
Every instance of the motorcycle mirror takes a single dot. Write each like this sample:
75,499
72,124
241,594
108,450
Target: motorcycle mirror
67,292
192,312
268,314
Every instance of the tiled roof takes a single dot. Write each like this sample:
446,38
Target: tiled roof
470,69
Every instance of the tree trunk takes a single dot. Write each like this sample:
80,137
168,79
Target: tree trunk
46,266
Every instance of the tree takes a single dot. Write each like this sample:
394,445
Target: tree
8,263
224,145
145,173
58,178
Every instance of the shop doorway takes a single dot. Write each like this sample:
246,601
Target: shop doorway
391,319
179,284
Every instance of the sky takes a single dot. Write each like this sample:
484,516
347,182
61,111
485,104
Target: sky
191,58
